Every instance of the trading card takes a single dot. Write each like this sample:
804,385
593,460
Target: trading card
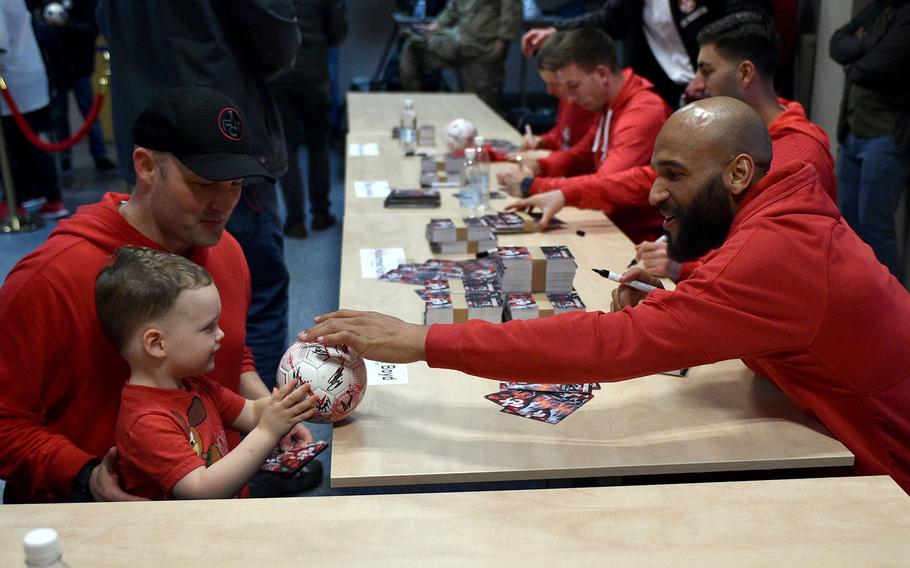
289,461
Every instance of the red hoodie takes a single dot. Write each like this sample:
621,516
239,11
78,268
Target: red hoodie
60,377
621,138
790,291
572,123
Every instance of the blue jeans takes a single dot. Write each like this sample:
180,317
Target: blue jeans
82,91
871,176
256,225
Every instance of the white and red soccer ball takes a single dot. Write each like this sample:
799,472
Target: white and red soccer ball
336,374
459,134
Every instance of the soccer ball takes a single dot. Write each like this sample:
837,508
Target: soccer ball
336,375
459,134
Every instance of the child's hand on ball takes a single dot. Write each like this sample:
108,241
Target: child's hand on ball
286,407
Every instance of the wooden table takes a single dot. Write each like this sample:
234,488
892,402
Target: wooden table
807,522
438,428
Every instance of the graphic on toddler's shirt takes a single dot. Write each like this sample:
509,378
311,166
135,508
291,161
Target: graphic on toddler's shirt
195,416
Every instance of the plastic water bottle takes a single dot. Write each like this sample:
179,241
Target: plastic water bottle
483,168
469,196
407,132
42,548
420,9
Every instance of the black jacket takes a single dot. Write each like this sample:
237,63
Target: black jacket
233,46
622,19
323,24
879,63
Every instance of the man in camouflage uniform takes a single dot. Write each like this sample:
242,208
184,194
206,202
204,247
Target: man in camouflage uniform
470,35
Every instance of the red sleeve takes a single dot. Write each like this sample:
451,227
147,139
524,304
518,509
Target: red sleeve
687,268
629,188
552,140
748,311
575,161
31,342
248,363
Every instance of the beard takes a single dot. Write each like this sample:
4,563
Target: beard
704,224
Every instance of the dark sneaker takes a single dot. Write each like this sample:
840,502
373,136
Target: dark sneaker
295,230
323,222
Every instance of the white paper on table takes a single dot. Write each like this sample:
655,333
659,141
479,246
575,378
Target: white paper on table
371,149
377,188
379,373
376,262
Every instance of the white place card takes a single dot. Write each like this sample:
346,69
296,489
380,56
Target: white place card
376,262
375,188
371,149
379,373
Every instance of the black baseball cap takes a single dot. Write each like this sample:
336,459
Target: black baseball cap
202,128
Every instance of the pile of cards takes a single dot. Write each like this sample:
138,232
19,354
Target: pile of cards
288,462
426,135
517,222
440,269
468,235
469,286
548,403
525,306
536,269
441,173
412,198
449,307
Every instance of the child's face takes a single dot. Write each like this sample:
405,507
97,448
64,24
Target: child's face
191,332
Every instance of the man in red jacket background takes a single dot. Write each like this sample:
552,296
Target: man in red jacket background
622,136
750,299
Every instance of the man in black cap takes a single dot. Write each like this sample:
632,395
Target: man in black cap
61,378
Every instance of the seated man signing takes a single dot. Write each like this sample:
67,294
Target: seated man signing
750,299
629,116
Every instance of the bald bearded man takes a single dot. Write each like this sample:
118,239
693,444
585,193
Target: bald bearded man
788,290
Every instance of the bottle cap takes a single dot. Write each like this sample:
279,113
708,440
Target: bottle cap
470,153
408,103
41,547
479,140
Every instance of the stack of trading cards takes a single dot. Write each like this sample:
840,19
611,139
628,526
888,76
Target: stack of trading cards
549,403
468,286
517,222
525,306
449,307
426,136
441,173
536,269
412,198
469,235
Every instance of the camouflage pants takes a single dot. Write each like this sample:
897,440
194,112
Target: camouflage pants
480,70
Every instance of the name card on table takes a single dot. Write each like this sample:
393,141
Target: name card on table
363,149
379,373
376,188
376,262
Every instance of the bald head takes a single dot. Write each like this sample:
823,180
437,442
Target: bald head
718,129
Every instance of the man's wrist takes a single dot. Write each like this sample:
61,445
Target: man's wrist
81,491
525,186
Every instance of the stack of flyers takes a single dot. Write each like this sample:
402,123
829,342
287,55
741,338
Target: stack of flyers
448,307
468,286
518,222
560,268
536,269
568,302
548,403
426,135
442,269
288,462
468,229
469,235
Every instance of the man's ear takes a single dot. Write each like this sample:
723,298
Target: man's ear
153,342
145,164
739,174
746,74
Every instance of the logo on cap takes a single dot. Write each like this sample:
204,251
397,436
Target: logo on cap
230,124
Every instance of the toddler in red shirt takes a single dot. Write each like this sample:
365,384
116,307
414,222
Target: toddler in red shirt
161,310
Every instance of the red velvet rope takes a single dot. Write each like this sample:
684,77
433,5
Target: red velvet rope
27,131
